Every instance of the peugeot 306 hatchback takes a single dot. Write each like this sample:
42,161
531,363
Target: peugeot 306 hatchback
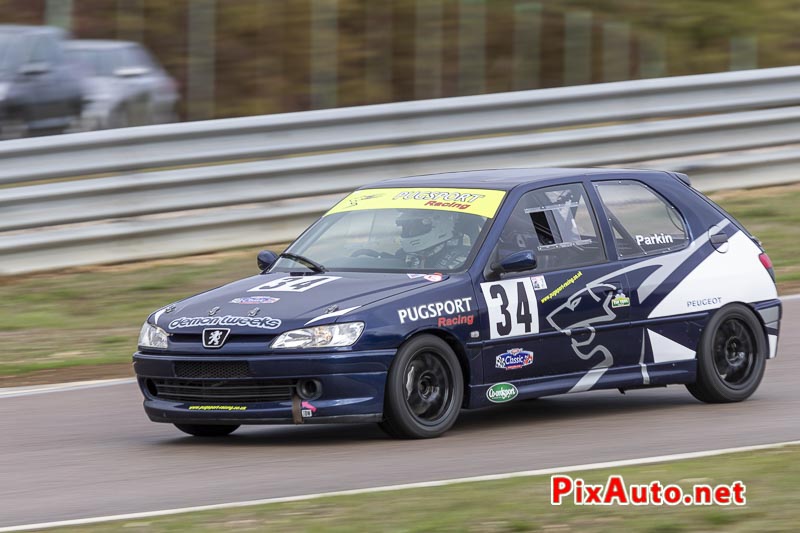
414,298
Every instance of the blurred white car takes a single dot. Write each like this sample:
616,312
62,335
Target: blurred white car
123,85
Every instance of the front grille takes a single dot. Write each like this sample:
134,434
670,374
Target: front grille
217,391
213,369
197,338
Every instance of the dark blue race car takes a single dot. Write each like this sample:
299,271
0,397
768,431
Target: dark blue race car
414,298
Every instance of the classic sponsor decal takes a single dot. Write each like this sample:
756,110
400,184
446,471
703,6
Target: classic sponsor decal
538,282
705,302
654,239
513,359
218,408
482,202
293,284
501,392
435,310
254,300
458,320
512,308
263,322
215,337
561,287
620,300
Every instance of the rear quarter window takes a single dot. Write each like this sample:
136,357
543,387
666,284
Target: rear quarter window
642,221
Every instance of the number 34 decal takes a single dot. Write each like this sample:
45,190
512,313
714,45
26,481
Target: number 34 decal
512,308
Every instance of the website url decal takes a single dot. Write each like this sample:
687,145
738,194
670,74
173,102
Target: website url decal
616,492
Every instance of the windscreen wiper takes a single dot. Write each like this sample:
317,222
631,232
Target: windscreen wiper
313,265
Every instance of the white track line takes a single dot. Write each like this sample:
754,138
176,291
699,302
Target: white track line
60,387
389,488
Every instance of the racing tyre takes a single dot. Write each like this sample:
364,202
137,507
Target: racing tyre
424,389
201,430
731,356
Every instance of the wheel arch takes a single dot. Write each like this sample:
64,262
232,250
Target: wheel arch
750,307
458,348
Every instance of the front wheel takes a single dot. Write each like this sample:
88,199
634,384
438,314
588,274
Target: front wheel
731,356
203,430
424,389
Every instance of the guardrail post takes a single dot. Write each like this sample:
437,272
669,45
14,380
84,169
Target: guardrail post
527,45
652,56
471,47
130,20
379,49
428,50
202,45
324,56
578,48
58,13
744,53
616,51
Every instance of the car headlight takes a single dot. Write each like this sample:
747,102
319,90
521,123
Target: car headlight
333,335
152,337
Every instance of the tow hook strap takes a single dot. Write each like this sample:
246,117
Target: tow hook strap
297,416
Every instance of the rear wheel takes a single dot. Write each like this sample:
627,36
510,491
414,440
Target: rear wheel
731,357
206,430
424,389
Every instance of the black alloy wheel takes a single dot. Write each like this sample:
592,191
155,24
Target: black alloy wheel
424,389
731,356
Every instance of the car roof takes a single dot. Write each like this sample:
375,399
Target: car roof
98,44
507,178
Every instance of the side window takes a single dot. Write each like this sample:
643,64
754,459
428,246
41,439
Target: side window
643,222
557,224
45,50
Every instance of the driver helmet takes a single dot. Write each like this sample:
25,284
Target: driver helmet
424,230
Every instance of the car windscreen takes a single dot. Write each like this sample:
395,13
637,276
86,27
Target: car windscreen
399,230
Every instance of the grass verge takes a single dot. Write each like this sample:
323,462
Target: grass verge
522,504
91,316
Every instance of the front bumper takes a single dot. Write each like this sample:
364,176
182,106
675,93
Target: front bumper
351,387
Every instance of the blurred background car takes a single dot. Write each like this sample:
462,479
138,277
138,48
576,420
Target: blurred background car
39,91
123,85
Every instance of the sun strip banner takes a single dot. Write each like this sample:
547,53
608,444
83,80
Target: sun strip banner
482,202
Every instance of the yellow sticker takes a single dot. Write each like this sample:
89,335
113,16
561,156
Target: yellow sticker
482,202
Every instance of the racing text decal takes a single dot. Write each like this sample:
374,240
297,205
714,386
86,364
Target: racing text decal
438,309
483,202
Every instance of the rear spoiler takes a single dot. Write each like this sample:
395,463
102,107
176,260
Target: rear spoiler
683,177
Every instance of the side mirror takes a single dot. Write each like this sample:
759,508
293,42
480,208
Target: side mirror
516,262
130,72
266,259
34,69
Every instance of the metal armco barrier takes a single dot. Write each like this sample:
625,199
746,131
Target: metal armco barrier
185,188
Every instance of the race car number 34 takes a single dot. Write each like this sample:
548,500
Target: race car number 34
512,308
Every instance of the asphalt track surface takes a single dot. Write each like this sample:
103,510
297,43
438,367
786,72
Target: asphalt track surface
92,452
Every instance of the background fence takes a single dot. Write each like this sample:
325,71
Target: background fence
183,188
